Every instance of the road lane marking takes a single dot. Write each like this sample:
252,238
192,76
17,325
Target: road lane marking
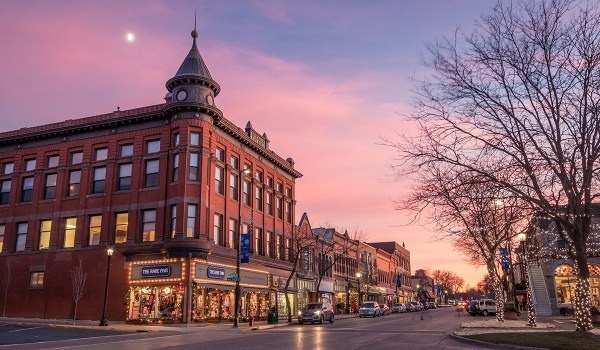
24,329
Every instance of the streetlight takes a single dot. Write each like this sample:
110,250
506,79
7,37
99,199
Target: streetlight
530,307
358,279
104,321
237,247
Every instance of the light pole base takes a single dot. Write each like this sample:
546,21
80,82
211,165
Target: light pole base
103,322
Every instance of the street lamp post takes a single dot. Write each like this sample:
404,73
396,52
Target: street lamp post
530,307
358,279
237,248
104,321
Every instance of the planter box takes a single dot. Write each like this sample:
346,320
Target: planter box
509,315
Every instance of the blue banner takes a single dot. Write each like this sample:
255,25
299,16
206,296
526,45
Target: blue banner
245,248
398,280
503,252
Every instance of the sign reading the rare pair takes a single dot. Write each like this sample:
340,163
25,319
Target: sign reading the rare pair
153,271
216,272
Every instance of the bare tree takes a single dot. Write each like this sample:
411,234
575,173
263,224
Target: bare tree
301,241
6,281
448,281
518,103
78,279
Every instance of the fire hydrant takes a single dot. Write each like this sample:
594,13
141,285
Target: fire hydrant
251,320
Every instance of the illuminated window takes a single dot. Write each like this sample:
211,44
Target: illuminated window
69,234
232,234
173,225
2,228
44,238
36,280
218,229
258,239
121,227
192,210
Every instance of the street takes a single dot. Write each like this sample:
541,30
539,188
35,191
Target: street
396,331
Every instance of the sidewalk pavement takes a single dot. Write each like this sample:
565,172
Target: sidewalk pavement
122,326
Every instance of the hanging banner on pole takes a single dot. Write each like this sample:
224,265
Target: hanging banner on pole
504,258
245,248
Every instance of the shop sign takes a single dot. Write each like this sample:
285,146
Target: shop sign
153,271
215,272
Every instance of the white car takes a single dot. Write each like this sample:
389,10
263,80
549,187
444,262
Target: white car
398,308
369,308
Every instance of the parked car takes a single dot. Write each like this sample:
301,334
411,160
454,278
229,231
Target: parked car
384,310
482,307
432,305
369,308
424,306
398,308
413,306
316,312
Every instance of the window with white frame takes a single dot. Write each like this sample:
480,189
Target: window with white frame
50,186
126,150
101,154
27,189
152,146
77,157
74,183
53,161
193,167
69,232
99,180
124,182
151,176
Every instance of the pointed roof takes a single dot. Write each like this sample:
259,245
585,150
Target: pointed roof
193,64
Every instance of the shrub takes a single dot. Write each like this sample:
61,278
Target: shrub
510,308
594,310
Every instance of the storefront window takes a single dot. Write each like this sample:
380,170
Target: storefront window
155,304
212,304
278,298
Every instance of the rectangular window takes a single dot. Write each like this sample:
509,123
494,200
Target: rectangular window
173,225
259,176
151,177
193,171
149,225
101,154
218,229
52,161
279,208
232,238
124,182
29,164
99,180
126,150
94,230
270,203
27,190
268,246
74,181
44,239
8,168
288,212
246,194
176,139
192,212
36,280
279,248
259,198
21,237
258,239
288,192
194,139
219,180
279,187
220,154
175,167
69,234
76,157
121,227
50,188
233,187
5,194
270,182
234,162
153,146
2,229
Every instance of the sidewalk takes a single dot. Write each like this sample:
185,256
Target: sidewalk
122,326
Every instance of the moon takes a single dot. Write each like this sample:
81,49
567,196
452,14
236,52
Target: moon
130,37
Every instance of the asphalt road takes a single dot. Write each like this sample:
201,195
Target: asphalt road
397,331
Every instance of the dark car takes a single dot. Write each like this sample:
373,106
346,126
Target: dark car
384,310
316,312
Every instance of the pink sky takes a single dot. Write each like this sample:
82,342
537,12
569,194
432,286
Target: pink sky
324,81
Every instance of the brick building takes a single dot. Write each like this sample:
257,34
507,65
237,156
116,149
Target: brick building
163,185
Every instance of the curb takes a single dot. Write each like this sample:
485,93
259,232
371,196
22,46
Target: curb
466,340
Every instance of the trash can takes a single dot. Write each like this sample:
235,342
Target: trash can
272,317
